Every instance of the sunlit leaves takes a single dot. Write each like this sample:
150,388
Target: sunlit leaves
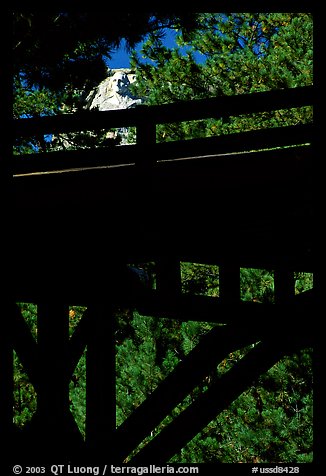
242,53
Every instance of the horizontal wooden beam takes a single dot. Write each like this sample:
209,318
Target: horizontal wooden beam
100,379
211,309
218,107
169,151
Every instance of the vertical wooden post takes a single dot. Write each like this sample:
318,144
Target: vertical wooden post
100,378
283,285
168,276
146,133
53,390
229,283
145,137
317,286
6,381
6,350
145,191
284,294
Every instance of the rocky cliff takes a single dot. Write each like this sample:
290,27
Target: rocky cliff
113,92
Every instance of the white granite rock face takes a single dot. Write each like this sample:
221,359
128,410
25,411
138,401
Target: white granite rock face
113,92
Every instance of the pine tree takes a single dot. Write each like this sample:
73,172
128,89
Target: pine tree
242,53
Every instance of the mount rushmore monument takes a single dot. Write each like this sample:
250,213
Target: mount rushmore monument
113,92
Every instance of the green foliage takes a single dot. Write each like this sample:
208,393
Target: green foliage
303,282
77,385
75,315
270,422
29,313
66,48
24,395
77,394
191,332
137,373
33,102
24,392
198,278
243,53
256,285
58,56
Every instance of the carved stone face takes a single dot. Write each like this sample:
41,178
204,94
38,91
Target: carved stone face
119,82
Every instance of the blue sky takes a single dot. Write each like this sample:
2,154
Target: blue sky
120,58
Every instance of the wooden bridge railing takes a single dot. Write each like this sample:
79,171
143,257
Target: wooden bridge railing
51,361
146,118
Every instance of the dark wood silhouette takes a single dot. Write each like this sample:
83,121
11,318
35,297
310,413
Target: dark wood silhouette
241,200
